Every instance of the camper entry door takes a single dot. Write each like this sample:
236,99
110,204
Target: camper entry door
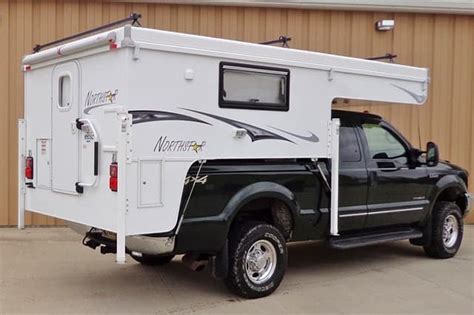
65,135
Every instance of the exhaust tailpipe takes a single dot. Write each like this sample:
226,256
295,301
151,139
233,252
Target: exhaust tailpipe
195,262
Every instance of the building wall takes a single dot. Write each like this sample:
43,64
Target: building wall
444,43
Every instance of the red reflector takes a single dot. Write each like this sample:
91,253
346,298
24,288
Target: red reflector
29,167
112,45
113,170
113,180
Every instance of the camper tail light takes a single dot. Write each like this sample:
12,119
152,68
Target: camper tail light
29,167
113,180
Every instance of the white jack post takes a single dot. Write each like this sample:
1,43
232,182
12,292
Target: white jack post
334,228
21,175
123,159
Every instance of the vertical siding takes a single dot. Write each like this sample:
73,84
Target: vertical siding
444,43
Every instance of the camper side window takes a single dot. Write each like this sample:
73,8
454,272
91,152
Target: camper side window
253,87
64,92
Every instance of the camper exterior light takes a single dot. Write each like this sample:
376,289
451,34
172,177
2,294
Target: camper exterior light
385,25
113,180
29,167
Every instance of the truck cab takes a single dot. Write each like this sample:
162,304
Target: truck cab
384,180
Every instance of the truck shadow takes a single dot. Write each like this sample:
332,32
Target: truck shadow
312,254
308,261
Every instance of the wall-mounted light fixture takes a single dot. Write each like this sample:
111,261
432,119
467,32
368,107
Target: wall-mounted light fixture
384,25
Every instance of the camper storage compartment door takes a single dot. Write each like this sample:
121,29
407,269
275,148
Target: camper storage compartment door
150,176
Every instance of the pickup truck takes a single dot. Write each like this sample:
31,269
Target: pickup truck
241,214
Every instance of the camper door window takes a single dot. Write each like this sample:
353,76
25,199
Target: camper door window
64,90
253,87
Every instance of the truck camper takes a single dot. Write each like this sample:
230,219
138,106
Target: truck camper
153,144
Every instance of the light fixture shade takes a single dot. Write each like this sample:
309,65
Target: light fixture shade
384,25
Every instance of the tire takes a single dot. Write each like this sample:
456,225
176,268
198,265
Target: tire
247,242
152,260
447,231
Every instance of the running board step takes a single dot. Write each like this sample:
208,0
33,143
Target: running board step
353,241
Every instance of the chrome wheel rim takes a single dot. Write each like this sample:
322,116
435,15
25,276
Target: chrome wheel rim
450,231
260,261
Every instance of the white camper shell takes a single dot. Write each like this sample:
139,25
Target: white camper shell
156,102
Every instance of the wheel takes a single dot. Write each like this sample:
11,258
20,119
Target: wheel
152,260
447,231
257,259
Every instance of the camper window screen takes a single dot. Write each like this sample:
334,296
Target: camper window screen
252,87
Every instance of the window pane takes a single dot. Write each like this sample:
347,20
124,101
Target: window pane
348,146
254,87
64,97
382,144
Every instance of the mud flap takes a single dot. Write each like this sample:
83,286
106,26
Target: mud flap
220,263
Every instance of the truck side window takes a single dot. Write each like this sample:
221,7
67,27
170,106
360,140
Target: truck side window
383,144
349,149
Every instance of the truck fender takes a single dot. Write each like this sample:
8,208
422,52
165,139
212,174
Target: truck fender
247,194
254,192
446,182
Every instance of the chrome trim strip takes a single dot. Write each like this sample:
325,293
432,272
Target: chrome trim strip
352,215
396,210
380,212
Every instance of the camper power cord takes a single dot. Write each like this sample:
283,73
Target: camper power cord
189,196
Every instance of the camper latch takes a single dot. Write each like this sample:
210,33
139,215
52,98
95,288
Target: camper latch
79,124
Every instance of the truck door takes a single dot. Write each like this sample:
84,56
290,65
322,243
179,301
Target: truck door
65,138
396,191
353,180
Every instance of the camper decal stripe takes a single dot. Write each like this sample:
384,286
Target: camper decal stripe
311,138
145,116
255,133
419,98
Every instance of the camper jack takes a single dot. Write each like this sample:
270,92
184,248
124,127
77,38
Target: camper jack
153,144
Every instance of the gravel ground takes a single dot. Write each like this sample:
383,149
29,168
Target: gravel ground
47,270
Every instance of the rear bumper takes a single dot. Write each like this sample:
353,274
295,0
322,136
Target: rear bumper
136,243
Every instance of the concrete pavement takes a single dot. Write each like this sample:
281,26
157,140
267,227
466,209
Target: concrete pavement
47,270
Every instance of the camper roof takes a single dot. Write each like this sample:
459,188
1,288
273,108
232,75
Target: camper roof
202,45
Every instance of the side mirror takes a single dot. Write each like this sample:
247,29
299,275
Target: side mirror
432,154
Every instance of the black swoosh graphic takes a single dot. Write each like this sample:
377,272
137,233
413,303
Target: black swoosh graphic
145,116
311,138
255,133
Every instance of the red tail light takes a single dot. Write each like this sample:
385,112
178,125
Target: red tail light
113,180
29,167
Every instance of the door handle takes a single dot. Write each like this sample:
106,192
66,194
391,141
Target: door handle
86,125
372,178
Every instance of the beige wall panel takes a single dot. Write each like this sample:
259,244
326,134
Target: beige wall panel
4,108
461,119
444,43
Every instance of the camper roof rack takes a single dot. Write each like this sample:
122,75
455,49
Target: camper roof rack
388,56
132,18
283,40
